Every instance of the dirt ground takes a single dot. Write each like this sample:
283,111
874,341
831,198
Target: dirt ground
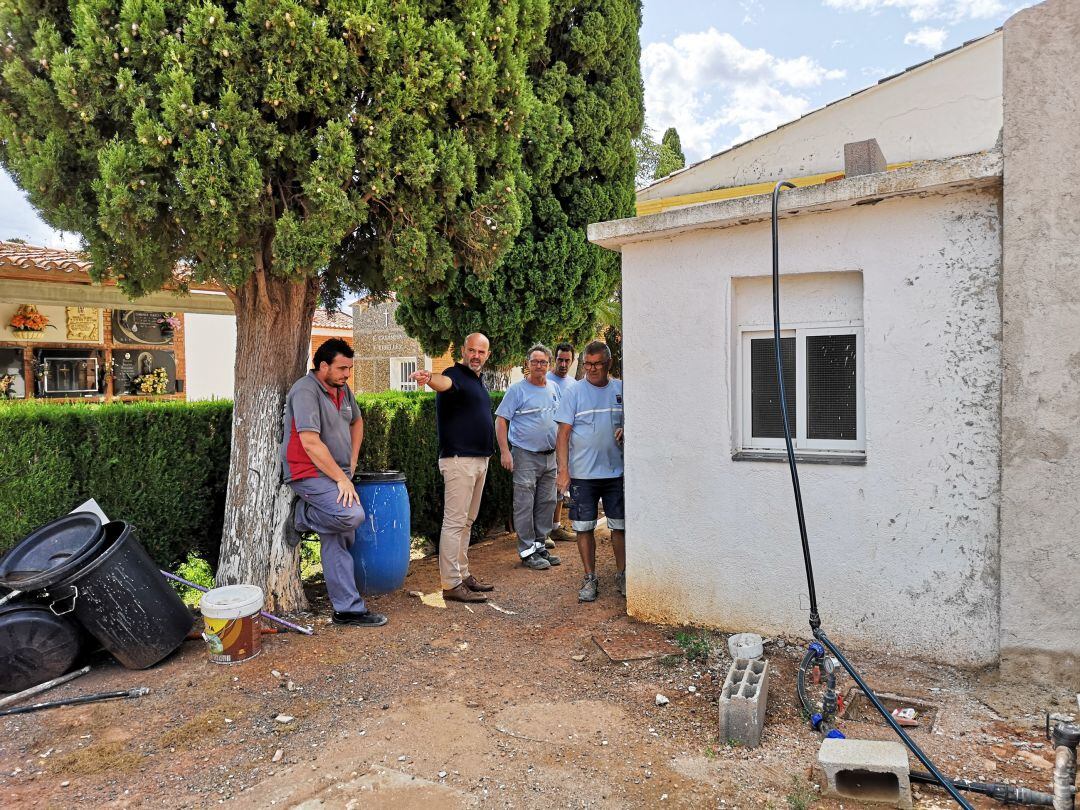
480,707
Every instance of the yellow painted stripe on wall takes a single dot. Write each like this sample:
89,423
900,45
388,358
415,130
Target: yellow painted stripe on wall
645,207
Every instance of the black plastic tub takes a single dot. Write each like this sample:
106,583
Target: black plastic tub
121,599
35,646
52,552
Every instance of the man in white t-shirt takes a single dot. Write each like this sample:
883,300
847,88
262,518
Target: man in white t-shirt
560,376
590,460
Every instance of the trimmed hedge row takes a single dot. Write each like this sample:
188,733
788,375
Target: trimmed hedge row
163,466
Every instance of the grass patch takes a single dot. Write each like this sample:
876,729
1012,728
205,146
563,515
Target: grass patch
696,646
202,726
802,795
106,758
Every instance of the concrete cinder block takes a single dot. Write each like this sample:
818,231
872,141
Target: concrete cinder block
863,157
872,771
743,701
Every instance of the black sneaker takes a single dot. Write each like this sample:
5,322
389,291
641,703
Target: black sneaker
365,619
551,558
293,535
536,562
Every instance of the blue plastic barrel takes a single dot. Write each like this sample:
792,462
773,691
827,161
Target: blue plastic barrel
381,551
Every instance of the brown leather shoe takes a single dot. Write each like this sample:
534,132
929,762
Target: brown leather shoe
474,584
461,593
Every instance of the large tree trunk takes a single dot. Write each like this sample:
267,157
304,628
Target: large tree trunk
273,335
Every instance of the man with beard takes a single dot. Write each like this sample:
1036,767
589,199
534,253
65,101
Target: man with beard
559,376
466,442
323,430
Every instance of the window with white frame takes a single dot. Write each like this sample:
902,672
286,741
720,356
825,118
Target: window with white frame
401,371
823,379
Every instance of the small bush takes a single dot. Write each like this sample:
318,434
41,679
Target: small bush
193,569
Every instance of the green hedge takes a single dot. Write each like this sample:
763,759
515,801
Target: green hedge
163,466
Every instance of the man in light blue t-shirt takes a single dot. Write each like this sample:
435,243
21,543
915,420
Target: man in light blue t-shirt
560,376
590,460
526,419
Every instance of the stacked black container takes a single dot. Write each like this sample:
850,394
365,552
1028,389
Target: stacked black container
98,575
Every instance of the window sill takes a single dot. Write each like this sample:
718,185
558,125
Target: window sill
801,456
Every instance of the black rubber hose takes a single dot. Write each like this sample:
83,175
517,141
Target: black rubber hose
815,619
75,701
1008,794
800,683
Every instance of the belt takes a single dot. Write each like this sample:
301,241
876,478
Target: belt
538,452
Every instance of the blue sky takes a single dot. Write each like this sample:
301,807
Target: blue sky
726,70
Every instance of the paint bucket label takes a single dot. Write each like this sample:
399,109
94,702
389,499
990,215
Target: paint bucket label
231,641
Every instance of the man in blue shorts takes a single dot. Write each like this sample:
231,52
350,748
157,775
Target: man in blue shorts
590,461
526,419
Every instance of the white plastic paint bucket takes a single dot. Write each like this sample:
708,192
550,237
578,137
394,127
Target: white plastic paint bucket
232,629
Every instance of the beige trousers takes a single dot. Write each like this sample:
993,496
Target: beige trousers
463,478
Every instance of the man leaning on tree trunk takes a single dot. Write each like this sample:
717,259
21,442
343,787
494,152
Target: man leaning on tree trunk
321,443
466,443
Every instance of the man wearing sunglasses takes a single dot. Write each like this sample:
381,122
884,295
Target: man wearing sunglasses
590,462
525,419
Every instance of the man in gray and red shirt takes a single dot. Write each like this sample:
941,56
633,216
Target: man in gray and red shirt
323,431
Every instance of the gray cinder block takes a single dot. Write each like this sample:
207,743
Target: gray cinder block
743,700
863,157
873,771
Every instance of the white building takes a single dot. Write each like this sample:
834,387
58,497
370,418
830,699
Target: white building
929,314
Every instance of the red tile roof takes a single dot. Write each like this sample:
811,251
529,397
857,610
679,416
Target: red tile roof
332,320
40,258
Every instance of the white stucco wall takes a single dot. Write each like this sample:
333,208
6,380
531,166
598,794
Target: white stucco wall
1040,564
950,106
906,545
210,355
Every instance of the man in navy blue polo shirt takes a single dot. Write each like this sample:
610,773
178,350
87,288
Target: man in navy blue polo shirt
466,443
323,431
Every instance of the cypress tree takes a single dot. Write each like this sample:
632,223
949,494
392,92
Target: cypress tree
579,163
280,148
670,157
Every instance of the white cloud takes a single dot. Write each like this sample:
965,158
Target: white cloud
922,10
716,91
926,37
19,220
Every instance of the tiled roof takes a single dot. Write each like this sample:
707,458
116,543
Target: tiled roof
33,257
332,320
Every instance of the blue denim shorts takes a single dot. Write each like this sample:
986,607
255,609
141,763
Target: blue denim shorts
586,493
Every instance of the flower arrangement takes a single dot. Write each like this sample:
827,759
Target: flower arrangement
7,385
169,322
156,382
27,319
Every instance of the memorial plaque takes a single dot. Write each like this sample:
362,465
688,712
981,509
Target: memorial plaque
130,364
69,373
136,327
83,325
11,367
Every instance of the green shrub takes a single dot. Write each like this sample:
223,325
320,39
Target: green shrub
193,569
163,467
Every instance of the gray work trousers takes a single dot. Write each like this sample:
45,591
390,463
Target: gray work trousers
534,498
335,524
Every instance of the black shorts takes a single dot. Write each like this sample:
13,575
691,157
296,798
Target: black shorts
586,493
